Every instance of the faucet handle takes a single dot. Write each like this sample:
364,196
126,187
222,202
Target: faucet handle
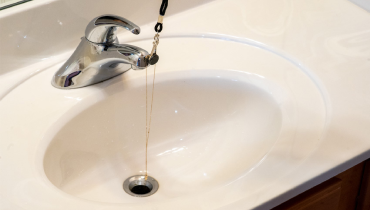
102,29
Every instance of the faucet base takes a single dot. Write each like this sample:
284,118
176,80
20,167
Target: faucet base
92,63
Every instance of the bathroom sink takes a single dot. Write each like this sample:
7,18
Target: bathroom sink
212,124
199,118
229,115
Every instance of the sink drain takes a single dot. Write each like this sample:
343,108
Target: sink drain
139,187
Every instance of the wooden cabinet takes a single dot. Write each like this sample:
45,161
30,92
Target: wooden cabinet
349,190
351,181
364,194
322,197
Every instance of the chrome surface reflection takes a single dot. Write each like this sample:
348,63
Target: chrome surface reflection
99,55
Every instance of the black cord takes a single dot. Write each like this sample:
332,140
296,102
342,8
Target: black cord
162,11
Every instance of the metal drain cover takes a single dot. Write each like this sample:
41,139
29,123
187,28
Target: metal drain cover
139,187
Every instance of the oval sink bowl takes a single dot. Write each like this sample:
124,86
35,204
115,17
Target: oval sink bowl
223,112
199,118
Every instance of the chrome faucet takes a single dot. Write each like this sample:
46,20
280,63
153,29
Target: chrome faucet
99,56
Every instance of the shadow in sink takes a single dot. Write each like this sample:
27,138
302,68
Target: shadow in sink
208,129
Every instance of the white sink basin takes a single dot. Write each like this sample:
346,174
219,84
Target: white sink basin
228,116
200,118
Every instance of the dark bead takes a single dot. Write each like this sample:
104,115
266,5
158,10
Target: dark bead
154,59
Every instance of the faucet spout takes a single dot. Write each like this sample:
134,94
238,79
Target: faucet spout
94,62
132,54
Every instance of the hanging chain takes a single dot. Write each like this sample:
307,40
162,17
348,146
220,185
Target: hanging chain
153,57
155,44
147,127
152,60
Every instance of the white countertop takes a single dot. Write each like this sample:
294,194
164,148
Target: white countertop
329,38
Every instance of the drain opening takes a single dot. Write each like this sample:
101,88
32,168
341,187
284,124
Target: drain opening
139,187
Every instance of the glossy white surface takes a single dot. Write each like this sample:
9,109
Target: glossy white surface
320,45
234,116
200,117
